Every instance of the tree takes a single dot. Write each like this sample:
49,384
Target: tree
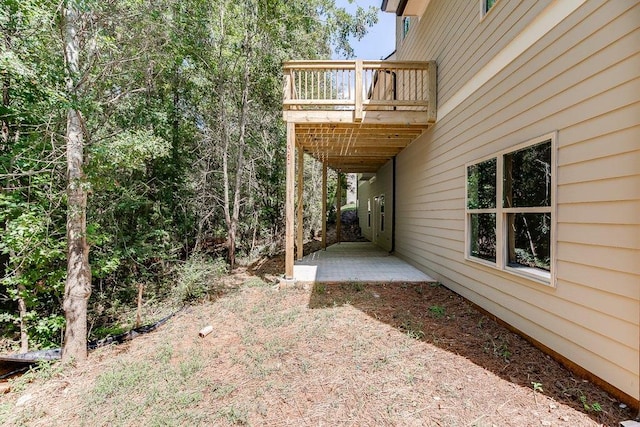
171,117
78,283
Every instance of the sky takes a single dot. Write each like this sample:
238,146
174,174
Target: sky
380,39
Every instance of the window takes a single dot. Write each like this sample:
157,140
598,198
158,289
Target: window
369,213
481,208
406,21
486,5
509,210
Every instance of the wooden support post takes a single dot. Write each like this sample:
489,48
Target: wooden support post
324,205
338,208
357,113
289,201
299,213
432,92
286,95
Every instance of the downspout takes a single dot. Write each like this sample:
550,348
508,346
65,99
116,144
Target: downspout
393,178
393,207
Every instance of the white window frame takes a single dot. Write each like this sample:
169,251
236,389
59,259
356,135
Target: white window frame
483,8
501,212
406,26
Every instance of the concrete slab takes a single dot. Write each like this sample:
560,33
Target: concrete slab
356,262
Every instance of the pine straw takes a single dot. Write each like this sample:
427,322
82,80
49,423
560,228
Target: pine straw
287,358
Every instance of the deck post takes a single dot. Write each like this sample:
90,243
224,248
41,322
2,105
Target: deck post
357,113
324,205
338,208
289,201
299,213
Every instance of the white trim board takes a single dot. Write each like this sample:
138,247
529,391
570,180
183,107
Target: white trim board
548,19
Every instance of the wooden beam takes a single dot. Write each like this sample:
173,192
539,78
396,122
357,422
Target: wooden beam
338,208
417,118
324,205
299,214
289,201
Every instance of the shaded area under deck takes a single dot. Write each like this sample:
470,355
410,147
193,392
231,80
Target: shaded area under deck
355,262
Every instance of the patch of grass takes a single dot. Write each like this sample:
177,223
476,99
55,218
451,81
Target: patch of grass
125,380
320,288
42,371
437,311
357,286
277,319
255,282
223,390
164,353
234,415
190,367
588,407
415,334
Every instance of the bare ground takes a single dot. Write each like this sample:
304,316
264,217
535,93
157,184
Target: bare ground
338,354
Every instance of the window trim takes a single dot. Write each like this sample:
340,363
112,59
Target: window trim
501,213
484,11
406,26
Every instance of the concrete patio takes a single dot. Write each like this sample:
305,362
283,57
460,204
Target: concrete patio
355,262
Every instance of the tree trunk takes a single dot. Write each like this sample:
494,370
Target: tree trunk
22,309
78,284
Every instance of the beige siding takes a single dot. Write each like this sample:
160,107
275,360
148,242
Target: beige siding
382,186
581,80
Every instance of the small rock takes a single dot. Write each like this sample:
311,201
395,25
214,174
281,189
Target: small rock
546,423
22,400
436,398
553,406
375,295
622,406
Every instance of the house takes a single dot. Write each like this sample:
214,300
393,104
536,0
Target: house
499,152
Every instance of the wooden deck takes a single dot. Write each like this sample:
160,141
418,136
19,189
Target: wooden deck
353,117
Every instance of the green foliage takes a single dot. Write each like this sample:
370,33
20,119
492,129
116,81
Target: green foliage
197,277
588,407
437,311
164,90
128,152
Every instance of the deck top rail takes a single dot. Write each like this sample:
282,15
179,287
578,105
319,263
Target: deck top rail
361,86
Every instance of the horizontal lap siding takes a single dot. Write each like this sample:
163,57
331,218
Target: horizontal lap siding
382,185
581,80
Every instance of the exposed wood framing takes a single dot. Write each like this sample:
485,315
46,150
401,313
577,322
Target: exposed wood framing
299,213
289,202
339,208
324,205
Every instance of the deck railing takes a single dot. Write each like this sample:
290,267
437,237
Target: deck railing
361,86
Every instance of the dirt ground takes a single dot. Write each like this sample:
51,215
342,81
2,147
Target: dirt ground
365,354
337,354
